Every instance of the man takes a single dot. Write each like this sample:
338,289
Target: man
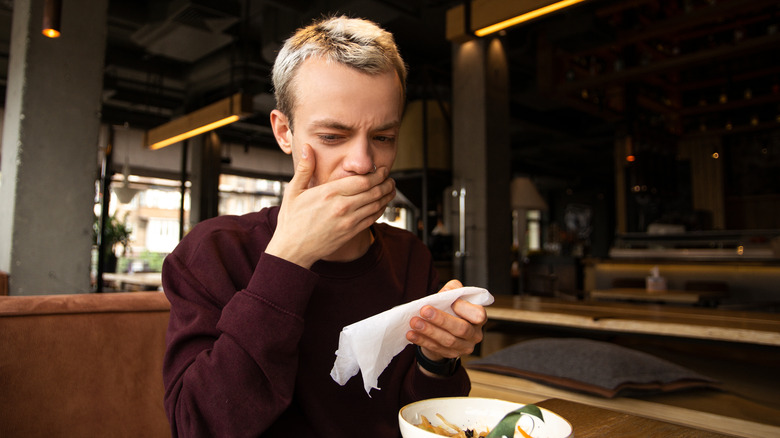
258,301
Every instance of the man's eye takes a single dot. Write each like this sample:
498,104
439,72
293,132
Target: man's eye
329,138
385,138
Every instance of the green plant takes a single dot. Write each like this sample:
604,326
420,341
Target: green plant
116,232
153,260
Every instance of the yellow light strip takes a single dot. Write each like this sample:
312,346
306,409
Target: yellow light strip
52,12
194,132
51,33
525,17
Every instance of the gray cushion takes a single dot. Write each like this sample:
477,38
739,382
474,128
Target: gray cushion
590,366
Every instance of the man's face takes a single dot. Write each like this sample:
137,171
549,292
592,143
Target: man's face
351,119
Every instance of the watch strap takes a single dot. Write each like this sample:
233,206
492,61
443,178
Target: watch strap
445,367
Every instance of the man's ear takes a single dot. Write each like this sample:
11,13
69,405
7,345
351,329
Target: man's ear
280,125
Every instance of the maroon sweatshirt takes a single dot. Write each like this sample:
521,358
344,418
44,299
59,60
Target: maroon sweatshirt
252,337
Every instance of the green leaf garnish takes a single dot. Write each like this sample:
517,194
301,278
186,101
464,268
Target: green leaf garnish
506,427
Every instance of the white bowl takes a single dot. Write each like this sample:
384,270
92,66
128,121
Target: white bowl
474,413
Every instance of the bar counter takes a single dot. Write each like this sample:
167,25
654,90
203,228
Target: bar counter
659,320
739,349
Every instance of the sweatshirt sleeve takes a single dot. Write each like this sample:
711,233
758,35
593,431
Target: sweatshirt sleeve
231,361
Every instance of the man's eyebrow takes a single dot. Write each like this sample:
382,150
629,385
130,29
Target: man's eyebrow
332,124
335,124
390,125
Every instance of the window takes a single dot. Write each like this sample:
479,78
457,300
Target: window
152,213
240,194
162,235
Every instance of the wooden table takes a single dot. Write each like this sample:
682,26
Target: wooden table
144,280
593,422
666,296
697,323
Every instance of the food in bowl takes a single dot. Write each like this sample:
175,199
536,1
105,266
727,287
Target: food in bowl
477,414
449,429
508,426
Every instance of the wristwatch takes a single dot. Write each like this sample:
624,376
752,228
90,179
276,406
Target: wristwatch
445,367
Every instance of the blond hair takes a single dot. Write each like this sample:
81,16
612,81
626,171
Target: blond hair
354,42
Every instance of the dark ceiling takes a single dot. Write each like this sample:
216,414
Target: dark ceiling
658,70
168,57
654,68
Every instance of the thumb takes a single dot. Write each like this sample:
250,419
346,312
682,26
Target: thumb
303,171
452,284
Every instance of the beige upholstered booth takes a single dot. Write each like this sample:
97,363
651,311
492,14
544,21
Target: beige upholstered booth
85,365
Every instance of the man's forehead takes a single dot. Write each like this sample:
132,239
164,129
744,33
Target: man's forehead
342,125
313,83
312,67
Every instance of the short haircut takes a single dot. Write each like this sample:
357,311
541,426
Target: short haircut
354,42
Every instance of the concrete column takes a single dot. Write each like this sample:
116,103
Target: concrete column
49,148
482,160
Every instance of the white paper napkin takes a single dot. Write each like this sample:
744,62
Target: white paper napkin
369,345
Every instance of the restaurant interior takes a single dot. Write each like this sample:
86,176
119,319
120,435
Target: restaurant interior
607,170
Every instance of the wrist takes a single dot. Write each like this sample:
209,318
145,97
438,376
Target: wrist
441,368
290,255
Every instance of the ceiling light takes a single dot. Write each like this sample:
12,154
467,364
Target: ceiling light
208,118
535,13
524,196
52,11
125,193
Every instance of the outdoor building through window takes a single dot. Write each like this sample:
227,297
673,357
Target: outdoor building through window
240,194
151,212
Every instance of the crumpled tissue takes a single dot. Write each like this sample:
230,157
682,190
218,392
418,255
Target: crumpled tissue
369,345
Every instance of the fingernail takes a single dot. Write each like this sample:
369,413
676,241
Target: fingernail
418,325
428,313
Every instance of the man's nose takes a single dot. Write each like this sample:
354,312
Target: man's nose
360,157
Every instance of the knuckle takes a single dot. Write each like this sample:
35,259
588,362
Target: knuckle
449,342
377,192
377,206
340,208
462,330
366,185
